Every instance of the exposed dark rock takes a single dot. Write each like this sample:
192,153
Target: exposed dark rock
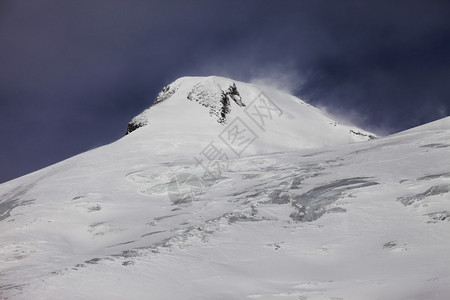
138,122
225,108
371,137
133,126
165,94
233,93
217,100
389,245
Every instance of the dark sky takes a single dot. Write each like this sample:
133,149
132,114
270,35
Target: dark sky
73,73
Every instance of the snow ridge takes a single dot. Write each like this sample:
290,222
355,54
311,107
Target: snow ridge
140,120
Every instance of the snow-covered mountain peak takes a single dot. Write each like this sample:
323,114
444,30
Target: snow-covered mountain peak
178,209
215,93
203,109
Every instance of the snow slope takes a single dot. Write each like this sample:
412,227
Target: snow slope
189,111
441,124
142,218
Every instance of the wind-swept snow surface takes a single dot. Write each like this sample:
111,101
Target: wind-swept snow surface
147,218
198,110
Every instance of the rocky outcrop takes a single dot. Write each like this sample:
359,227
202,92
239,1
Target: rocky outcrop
140,120
132,126
369,136
165,94
233,94
217,100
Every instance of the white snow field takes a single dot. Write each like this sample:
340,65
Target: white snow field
271,200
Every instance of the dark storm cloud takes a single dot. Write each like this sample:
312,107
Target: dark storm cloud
72,73
388,61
